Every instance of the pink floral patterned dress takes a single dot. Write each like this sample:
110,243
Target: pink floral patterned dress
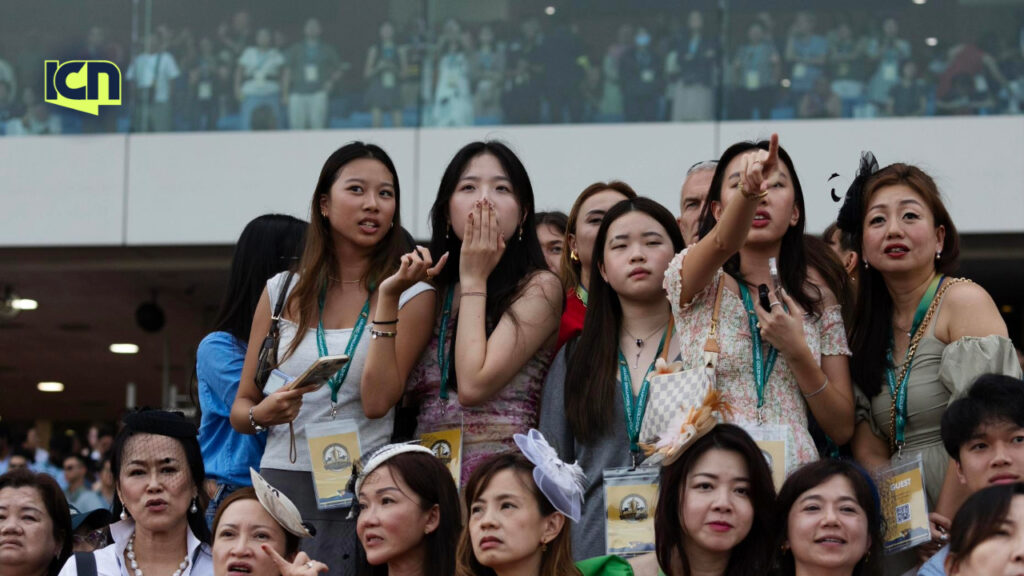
487,429
784,404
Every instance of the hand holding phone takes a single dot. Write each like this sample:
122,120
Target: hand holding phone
318,373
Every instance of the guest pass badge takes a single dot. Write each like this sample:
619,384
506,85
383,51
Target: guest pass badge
630,496
333,448
904,504
773,440
447,446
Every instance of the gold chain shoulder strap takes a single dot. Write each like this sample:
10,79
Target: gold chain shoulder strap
912,349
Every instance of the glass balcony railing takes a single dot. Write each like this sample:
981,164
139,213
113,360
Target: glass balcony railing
192,65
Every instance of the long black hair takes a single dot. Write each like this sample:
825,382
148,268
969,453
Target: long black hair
269,244
792,260
590,371
523,256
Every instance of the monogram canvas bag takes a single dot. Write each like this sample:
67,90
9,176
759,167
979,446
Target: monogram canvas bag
685,389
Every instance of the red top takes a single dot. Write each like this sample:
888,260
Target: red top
572,318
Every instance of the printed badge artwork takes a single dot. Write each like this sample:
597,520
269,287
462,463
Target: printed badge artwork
904,505
447,446
630,496
773,440
333,447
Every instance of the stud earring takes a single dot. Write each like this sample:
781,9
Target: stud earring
194,508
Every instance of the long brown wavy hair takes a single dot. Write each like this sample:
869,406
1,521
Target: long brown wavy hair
319,261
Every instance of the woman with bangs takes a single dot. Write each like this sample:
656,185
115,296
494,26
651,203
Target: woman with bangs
499,307
783,348
583,405
584,220
352,273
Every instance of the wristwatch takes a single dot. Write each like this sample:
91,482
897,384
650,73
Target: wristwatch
252,421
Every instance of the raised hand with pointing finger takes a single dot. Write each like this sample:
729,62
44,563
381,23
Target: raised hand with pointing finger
302,565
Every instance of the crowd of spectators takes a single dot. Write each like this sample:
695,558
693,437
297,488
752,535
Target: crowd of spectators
248,74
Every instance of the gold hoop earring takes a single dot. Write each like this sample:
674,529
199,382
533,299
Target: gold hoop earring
573,256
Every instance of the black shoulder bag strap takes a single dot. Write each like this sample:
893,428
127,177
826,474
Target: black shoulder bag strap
85,562
268,352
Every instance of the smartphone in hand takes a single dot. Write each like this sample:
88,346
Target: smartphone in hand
318,373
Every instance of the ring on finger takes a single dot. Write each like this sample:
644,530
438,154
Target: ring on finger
309,564
774,304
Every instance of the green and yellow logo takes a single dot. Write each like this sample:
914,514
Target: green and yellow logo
75,84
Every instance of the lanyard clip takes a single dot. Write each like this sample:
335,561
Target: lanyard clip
635,457
899,450
760,415
334,410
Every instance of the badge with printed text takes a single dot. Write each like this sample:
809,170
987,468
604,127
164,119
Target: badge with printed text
904,504
447,446
333,447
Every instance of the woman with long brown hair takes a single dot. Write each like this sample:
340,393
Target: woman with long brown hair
584,220
352,273
919,336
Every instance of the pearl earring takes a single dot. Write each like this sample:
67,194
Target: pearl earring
938,254
124,513
194,508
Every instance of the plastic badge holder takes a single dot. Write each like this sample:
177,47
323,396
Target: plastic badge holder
630,497
904,504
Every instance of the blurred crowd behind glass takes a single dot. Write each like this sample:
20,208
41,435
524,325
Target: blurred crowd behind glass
190,65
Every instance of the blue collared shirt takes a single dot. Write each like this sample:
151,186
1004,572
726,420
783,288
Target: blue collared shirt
226,453
936,565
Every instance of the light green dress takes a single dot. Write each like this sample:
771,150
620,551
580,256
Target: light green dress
940,374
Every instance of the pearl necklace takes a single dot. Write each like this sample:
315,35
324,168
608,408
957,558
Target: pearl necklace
135,565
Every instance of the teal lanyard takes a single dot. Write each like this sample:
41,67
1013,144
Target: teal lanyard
635,408
443,359
336,381
898,391
582,294
762,366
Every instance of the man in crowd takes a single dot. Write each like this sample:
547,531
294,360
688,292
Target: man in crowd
82,498
984,433
692,198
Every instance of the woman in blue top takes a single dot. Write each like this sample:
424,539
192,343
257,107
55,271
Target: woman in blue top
269,244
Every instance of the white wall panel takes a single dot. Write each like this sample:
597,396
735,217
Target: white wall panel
203,188
60,190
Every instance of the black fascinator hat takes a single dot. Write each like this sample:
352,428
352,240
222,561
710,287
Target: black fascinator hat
851,214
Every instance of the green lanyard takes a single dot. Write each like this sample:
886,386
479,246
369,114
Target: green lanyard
635,408
582,294
762,366
444,360
898,391
336,381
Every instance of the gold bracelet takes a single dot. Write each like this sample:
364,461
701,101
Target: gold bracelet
382,334
465,294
